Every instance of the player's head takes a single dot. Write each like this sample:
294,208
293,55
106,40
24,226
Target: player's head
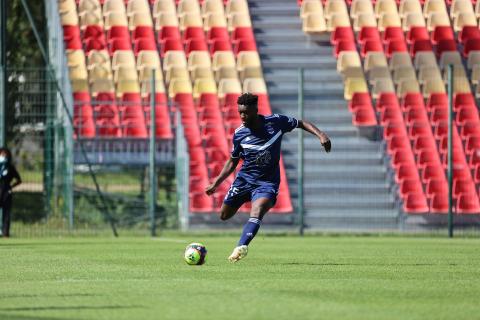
248,108
5,155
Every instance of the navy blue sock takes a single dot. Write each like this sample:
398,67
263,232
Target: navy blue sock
249,231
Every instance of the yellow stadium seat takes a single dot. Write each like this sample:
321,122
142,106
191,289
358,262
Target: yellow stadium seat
425,58
476,74
203,85
434,6
348,59
361,7
310,6
433,85
75,58
428,72
115,19
228,86
353,72
254,85
212,6
400,59
238,20
202,73
69,18
477,9
385,6
176,73
450,57
113,6
402,73
248,59
100,57
101,85
223,58
145,73
199,59
236,6
146,88
437,19
66,5
464,19
123,57
314,23
409,6
90,5
124,72
353,85
338,20
99,72
473,59
460,6
389,20
166,19
251,72
79,85
148,58
164,6
190,20
139,19
127,85
78,72
364,20
413,20
174,59
226,72
375,59
188,6
137,6
382,85
407,86
179,86
90,18
214,20
335,7
378,73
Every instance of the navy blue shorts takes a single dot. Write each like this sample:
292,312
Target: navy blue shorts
241,192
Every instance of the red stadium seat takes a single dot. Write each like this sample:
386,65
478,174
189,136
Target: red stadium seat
467,115
442,33
200,202
436,186
406,171
432,171
71,32
244,45
243,33
364,117
394,128
73,44
463,186
446,45
415,203
473,144
420,45
471,44
424,143
143,32
170,44
396,143
220,45
396,45
437,99
468,204
217,33
193,33
168,32
402,156
119,44
409,186
427,157
470,128
195,44
371,46
84,128
412,100
344,45
359,99
342,33
141,44
468,32
118,32
392,33
368,33
463,99
439,203
417,33
93,31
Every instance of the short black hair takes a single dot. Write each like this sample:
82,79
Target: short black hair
7,152
248,99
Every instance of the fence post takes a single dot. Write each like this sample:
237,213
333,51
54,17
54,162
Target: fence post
153,175
301,211
450,150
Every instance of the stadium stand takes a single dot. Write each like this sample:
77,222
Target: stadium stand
202,54
405,47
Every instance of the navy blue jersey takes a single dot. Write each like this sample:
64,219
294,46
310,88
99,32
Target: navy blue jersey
260,148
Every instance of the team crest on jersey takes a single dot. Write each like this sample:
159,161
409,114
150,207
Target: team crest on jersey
263,158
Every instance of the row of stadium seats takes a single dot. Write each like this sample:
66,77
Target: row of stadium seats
387,51
203,55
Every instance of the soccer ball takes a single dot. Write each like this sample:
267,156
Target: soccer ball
195,254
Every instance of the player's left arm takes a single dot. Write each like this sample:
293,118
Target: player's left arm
322,136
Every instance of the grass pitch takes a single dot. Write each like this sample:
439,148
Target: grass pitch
282,278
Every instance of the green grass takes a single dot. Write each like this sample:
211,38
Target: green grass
282,278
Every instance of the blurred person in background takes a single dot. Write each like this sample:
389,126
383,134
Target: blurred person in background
9,179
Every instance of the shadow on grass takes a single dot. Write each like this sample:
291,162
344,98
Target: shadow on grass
50,308
9,316
15,296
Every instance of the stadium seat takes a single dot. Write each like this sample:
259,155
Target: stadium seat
468,204
415,203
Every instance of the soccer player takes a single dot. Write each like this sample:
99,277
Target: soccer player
257,141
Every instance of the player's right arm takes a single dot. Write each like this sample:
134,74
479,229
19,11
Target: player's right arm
227,170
